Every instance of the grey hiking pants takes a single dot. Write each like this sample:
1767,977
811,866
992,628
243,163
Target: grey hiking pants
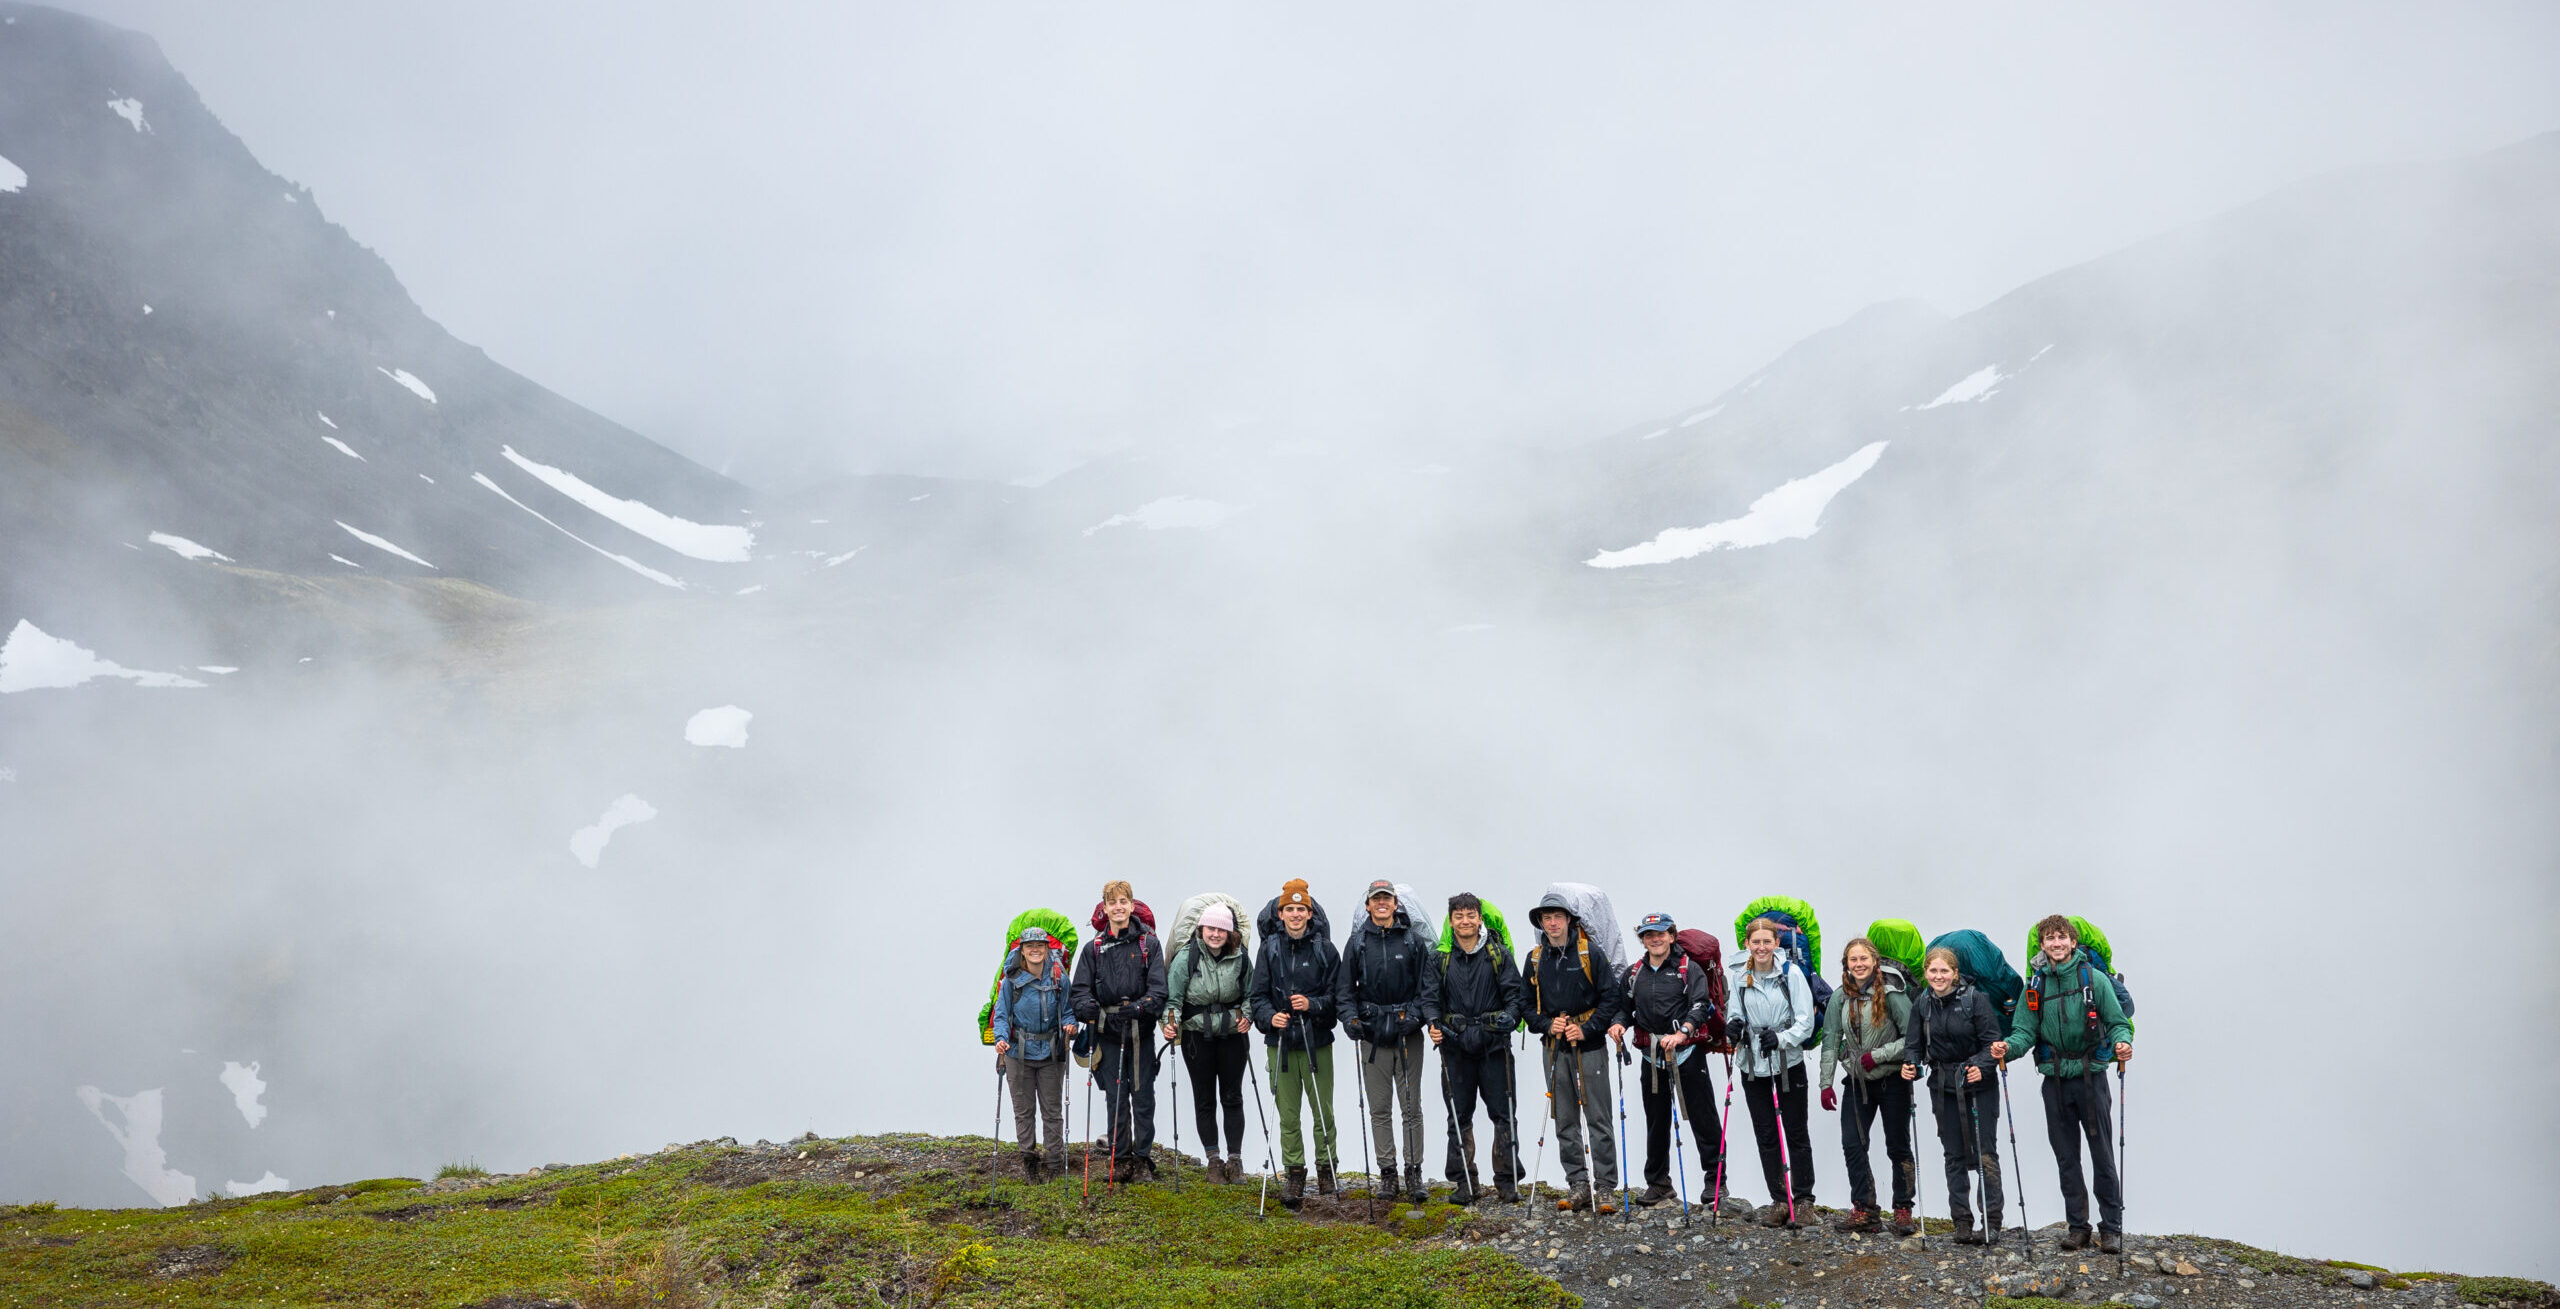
1394,1068
1040,1086
1578,1093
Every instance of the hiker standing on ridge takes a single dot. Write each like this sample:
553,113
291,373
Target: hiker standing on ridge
1206,1012
1955,1031
2070,1017
1573,990
1292,992
1479,1007
1772,1014
1388,990
1670,1002
1033,1026
1120,988
1864,1034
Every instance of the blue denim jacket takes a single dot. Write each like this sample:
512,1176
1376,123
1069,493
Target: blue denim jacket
1029,1010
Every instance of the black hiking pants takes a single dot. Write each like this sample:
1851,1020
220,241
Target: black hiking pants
1216,1065
1695,1090
2077,1108
1471,1077
1124,1072
1788,1087
1863,1102
1968,1130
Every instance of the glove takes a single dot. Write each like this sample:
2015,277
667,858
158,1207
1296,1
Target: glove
1768,1041
1830,1099
1867,1061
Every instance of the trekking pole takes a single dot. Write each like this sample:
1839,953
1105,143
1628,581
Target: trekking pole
1449,1102
1262,1209
1919,1201
1113,1115
2120,1117
1174,1048
1360,1085
1511,1110
1973,1143
1679,1162
1539,1160
1618,1083
1724,1146
995,1133
1786,1163
1087,1195
2017,1160
1332,1139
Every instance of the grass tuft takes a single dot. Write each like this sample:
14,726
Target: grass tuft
465,1168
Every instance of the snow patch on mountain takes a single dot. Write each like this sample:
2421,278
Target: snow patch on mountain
348,562
333,426
633,564
379,544
186,549
245,1090
1173,511
345,449
724,726
1704,414
265,1184
405,378
30,660
136,1128
1980,384
712,542
130,110
587,843
1790,513
12,177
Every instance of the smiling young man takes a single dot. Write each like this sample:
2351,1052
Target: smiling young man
2071,1020
1292,998
1479,1007
1120,988
1576,999
1388,990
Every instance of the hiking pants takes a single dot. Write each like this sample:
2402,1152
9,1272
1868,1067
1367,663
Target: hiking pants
1470,1076
1216,1066
1767,1118
1292,1077
1969,1145
1862,1103
1578,1093
1129,1101
1659,1081
1039,1087
2077,1107
1394,1067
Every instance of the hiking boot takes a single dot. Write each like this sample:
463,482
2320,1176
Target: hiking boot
1235,1169
1216,1169
1902,1222
1462,1192
1992,1226
1607,1206
2075,1239
1507,1193
1857,1220
1575,1202
1031,1166
1657,1193
1966,1232
1325,1184
1415,1193
1057,1165
1293,1188
1771,1215
2111,1242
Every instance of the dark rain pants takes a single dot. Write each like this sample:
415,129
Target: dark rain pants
1971,1142
1696,1092
2077,1108
1216,1067
1789,1089
1862,1102
1128,1102
1470,1077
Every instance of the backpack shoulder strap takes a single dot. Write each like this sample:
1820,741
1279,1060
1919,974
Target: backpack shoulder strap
1582,945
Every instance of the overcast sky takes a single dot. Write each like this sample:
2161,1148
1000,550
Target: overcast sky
805,237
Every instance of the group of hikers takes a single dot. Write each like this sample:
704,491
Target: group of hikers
1950,1012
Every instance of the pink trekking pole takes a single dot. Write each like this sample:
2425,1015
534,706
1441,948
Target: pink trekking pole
1784,1163
1724,1140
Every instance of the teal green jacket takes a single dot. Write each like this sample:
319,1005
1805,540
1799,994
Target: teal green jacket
2058,1031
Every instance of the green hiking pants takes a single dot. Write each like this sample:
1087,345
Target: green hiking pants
1290,1080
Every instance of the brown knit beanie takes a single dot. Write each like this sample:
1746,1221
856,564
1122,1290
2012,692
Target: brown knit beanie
1294,891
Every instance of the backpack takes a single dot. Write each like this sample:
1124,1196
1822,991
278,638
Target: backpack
1048,920
1800,940
1980,962
1267,923
1529,969
1187,921
1701,946
2094,950
1898,942
1493,924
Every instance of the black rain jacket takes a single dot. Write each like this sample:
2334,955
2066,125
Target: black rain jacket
1388,987
1480,996
1557,987
1284,967
1950,1032
1121,972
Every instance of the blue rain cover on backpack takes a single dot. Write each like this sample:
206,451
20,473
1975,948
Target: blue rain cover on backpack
1981,963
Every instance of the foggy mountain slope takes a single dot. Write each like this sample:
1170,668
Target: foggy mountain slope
237,371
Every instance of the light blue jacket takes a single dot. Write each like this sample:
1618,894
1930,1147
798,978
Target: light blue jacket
1029,1010
1762,1002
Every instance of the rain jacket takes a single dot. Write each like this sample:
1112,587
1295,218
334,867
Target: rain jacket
1952,1031
2059,1031
1848,1031
1479,994
1295,966
1200,985
1557,988
1388,987
1030,1010
1660,1002
1780,1002
1123,971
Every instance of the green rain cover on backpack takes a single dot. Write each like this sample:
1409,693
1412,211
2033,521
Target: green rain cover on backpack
1899,940
2093,942
1796,913
1048,920
1492,923
1981,963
